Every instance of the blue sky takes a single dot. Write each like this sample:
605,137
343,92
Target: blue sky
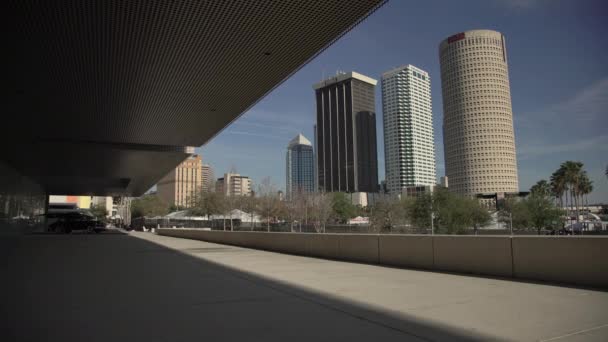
557,53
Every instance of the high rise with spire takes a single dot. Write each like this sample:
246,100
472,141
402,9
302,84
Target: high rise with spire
299,167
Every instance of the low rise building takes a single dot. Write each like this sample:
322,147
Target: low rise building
181,185
82,202
233,184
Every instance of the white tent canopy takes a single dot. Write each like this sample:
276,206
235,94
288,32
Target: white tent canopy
235,214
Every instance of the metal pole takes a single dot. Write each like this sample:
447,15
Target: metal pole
305,215
511,218
46,211
432,218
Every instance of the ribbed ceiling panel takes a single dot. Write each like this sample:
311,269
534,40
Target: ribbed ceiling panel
157,72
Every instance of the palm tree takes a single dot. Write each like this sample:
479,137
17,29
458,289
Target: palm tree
558,187
572,173
541,188
585,187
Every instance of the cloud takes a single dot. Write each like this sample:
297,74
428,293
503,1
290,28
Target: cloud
574,124
283,118
586,106
589,104
254,127
254,134
271,124
521,4
226,153
595,144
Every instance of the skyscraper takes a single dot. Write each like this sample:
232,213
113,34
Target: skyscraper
180,185
409,148
208,178
299,166
346,134
478,136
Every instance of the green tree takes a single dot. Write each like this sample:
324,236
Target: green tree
149,205
207,204
342,207
515,212
269,204
570,181
542,187
419,210
320,209
455,214
558,187
479,215
100,212
174,208
542,213
388,212
249,204
585,188
572,173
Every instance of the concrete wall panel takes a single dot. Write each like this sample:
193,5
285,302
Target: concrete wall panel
323,245
489,255
406,250
578,261
255,240
574,260
358,247
294,243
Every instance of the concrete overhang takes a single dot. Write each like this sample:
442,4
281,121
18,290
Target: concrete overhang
104,97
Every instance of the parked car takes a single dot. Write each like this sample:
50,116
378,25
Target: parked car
67,222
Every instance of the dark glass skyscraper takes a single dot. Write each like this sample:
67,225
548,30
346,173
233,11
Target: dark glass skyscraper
345,134
300,166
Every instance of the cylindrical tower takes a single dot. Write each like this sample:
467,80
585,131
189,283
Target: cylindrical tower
478,136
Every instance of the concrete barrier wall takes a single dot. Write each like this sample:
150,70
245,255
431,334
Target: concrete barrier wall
358,247
571,260
323,245
489,255
406,250
581,260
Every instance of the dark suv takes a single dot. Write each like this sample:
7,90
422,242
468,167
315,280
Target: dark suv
68,222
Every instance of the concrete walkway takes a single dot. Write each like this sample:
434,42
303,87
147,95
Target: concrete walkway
144,287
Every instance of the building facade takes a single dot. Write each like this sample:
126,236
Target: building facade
105,202
299,167
233,184
409,145
208,178
181,185
444,181
417,190
478,133
81,202
345,134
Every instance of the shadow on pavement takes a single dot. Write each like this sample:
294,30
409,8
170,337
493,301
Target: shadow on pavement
115,287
